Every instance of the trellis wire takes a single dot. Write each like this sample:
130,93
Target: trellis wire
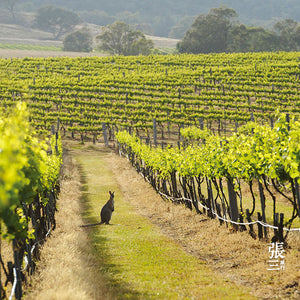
221,218
32,249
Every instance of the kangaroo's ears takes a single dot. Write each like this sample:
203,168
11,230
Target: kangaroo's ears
111,193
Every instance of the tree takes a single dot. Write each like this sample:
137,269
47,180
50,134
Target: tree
254,39
10,4
288,31
119,39
78,41
297,37
142,46
216,32
239,39
209,33
56,20
261,39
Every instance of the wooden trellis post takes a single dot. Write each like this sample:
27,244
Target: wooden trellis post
297,195
104,134
234,213
263,206
154,133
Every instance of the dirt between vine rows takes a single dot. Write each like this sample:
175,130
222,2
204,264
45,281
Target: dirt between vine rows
234,255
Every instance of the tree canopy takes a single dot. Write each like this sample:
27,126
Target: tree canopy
56,20
78,41
218,31
119,39
209,33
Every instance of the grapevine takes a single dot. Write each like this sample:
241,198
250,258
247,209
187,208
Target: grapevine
256,153
29,185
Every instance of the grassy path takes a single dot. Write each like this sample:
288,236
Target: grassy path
67,269
137,260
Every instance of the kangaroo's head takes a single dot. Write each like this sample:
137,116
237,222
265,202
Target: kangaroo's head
112,194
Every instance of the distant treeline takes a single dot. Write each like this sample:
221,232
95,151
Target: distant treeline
218,32
167,17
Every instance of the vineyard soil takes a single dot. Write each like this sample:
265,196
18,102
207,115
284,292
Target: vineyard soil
235,257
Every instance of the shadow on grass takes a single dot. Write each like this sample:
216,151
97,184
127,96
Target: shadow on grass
100,248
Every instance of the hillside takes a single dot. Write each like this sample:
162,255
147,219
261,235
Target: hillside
26,35
161,16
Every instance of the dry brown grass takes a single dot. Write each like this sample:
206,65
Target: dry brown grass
66,269
236,256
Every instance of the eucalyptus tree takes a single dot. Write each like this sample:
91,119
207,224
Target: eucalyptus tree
119,39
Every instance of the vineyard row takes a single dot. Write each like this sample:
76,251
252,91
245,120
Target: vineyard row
207,167
222,89
29,187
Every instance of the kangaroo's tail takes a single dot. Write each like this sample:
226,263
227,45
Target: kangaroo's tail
89,225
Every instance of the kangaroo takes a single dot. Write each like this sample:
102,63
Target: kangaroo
106,211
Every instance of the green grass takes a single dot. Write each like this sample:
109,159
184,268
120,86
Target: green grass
138,261
29,47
